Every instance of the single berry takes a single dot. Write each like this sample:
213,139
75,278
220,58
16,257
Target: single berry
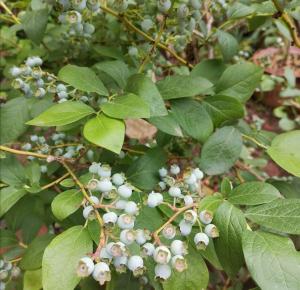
148,249
120,264
163,172
142,236
201,241
85,267
104,171
104,185
127,236
136,265
212,231
190,216
179,263
118,179
162,272
175,191
125,190
88,212
110,218
185,228
169,231
178,247
125,221
162,255
188,200
154,199
206,216
175,169
102,273
131,208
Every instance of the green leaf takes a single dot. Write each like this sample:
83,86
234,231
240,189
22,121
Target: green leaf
149,218
82,78
181,86
143,172
231,223
61,258
128,106
228,44
105,132
221,150
33,280
280,215
34,24
211,202
272,261
94,230
147,90
193,118
62,114
14,115
8,197
33,172
239,81
7,239
116,69
167,124
32,258
253,193
210,69
66,203
12,172
195,277
239,10
284,150
223,108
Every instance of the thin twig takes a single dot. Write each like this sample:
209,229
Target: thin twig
15,18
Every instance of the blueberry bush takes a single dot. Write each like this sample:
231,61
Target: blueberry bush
150,144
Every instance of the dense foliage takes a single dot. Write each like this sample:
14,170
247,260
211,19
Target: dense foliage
150,144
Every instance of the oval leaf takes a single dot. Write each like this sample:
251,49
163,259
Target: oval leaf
280,215
82,78
66,203
105,132
221,150
272,261
61,258
253,193
285,151
62,114
128,106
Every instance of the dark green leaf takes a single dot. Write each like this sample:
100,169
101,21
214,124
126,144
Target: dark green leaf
228,44
221,150
105,132
7,239
231,224
193,118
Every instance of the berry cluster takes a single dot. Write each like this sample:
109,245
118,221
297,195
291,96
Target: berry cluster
8,272
125,246
76,14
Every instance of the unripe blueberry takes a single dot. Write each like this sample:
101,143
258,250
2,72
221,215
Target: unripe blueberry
110,218
179,263
212,231
148,249
15,71
116,249
104,171
78,4
162,272
206,216
131,208
101,273
61,88
164,5
43,168
126,221
188,200
33,61
88,212
94,168
120,264
73,17
141,236
127,236
136,265
18,83
175,169
154,199
125,190
162,185
163,172
40,92
201,241
40,83
185,228
3,274
88,28
182,11
198,173
118,179
196,4
62,101
190,216
93,5
62,95
175,191
146,24
27,147
169,231
105,185
194,187
132,51
105,256
90,155
162,255
85,267
120,204
190,179
178,247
